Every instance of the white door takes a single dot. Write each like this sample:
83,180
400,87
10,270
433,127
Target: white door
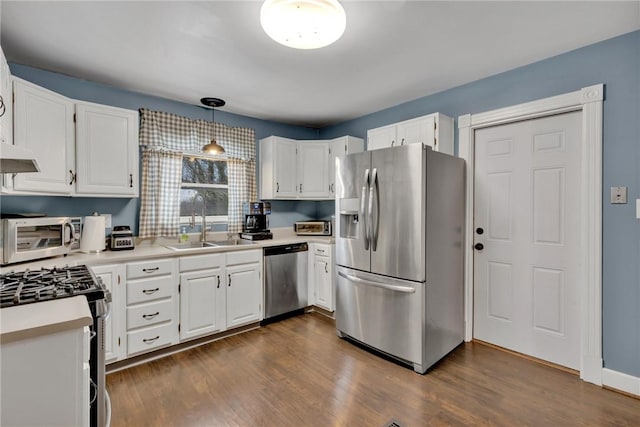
527,200
111,276
285,169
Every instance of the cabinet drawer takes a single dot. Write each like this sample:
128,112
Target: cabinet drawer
151,289
151,268
148,339
149,314
201,262
244,257
321,249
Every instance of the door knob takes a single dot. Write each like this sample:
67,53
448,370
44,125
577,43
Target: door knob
479,230
479,246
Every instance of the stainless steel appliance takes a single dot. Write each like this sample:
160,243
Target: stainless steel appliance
399,235
121,238
32,286
25,239
285,279
312,228
256,221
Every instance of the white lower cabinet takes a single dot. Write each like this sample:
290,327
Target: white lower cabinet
202,295
219,292
244,287
112,277
152,305
321,272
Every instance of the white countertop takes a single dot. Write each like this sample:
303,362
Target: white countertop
154,248
46,317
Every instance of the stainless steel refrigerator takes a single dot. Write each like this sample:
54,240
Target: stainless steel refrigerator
399,236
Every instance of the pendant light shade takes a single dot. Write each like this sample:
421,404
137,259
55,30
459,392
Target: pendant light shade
303,24
213,147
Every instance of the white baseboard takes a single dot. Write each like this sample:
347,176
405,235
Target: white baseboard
620,381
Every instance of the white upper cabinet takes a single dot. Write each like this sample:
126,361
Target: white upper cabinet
341,147
278,168
44,124
106,150
313,170
301,169
434,130
96,156
6,110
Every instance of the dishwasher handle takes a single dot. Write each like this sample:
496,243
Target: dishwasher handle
286,249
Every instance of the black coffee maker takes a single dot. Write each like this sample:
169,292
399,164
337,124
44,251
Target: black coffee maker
256,221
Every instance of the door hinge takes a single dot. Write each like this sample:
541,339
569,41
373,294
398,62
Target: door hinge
118,341
118,279
179,288
329,150
178,327
74,117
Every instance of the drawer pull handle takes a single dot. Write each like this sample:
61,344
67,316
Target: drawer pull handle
150,291
229,276
150,270
150,340
326,266
320,250
218,282
150,316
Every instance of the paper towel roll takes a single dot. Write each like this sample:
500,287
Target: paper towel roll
92,234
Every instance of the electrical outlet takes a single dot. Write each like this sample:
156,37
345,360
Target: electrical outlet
618,195
107,220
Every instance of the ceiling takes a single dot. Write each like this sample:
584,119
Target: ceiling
390,53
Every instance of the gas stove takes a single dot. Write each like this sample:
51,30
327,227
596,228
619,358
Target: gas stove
31,286
46,284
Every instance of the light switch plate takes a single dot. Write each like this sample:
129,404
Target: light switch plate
618,195
107,220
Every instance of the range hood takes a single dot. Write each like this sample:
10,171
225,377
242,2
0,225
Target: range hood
17,159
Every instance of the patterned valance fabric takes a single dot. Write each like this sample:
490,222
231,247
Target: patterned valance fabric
164,138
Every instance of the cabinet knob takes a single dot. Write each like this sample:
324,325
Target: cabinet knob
479,246
480,230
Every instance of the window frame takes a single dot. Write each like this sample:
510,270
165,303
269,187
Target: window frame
211,219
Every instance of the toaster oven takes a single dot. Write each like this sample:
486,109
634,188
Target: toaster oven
312,228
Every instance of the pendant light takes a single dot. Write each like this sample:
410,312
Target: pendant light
303,24
213,147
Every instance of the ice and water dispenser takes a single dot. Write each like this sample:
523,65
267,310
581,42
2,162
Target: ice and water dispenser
349,218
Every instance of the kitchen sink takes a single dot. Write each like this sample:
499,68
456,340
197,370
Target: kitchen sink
232,242
213,244
190,245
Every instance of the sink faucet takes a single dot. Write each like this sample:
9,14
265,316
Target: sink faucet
203,231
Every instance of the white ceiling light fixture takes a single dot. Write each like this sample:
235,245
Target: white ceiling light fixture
303,24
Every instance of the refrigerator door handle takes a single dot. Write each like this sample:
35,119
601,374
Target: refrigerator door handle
395,288
375,228
363,202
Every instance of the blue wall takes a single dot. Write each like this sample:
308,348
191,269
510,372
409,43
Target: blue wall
615,62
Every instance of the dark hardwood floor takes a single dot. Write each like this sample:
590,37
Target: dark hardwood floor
298,373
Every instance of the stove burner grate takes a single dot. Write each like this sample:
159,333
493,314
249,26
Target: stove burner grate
46,284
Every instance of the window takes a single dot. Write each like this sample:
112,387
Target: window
209,178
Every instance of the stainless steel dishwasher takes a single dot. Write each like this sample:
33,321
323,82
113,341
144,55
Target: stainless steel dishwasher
285,283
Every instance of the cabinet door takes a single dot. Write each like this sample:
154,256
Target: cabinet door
106,150
417,131
321,274
313,170
285,169
382,137
244,294
115,325
44,124
6,104
341,147
201,303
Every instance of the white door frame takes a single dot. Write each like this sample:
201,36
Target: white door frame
589,101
